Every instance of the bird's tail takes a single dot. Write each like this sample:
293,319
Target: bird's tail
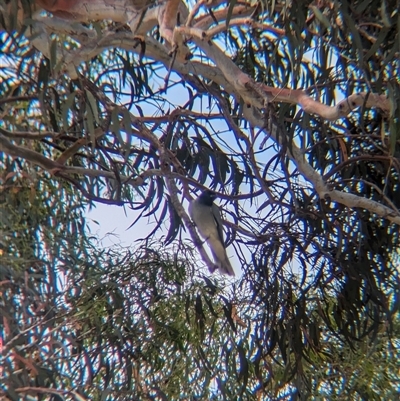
226,268
223,264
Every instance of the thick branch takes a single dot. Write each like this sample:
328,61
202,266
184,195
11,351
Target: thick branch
252,93
244,21
258,94
205,21
28,134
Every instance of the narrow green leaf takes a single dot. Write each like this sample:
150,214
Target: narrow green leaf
232,4
89,125
321,17
53,54
93,106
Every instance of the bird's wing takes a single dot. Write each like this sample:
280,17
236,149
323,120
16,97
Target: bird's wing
218,221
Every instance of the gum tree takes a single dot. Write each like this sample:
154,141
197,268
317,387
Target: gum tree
288,110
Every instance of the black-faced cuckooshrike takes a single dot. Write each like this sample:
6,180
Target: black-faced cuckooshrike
207,218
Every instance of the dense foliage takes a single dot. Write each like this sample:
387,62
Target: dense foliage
314,311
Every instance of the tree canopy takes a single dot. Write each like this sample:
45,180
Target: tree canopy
289,111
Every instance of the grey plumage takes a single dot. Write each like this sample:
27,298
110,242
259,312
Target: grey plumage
207,217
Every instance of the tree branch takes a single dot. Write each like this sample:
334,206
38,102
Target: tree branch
54,167
323,190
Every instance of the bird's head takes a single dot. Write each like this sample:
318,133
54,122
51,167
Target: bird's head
207,197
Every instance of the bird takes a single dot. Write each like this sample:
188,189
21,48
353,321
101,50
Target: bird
207,218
